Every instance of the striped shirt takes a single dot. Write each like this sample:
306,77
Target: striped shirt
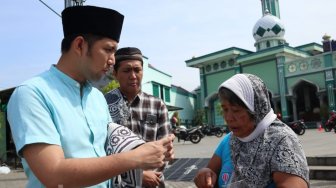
146,115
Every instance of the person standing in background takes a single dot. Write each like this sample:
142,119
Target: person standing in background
144,114
175,123
59,121
175,120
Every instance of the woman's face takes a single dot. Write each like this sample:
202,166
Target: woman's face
238,119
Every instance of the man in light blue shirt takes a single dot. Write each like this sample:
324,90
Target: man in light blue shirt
59,121
38,99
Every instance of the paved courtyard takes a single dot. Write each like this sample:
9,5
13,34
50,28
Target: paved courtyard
315,143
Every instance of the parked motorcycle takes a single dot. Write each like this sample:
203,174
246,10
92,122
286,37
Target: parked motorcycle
331,123
298,127
193,134
212,131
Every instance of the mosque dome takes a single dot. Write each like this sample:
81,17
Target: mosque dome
268,27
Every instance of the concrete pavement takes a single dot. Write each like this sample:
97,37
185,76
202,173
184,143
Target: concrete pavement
17,179
314,142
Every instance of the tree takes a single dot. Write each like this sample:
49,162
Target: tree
199,117
111,85
219,109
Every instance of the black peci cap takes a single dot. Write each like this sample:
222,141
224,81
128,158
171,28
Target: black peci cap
128,53
92,20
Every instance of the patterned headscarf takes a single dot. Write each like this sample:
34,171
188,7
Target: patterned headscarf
253,92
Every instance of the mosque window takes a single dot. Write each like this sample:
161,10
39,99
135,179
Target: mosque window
231,62
167,94
223,64
156,91
215,66
268,44
208,68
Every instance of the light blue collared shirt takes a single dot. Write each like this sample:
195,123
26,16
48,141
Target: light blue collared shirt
49,109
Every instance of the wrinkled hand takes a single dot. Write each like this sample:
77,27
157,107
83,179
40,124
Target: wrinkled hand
151,179
152,155
205,178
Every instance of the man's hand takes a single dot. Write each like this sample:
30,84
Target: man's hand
169,155
152,155
151,179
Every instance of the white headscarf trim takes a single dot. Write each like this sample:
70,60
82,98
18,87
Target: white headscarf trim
240,85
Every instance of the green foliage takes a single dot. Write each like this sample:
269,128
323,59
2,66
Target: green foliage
199,117
2,130
2,119
219,109
3,107
112,85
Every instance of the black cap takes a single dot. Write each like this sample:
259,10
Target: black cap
92,20
128,53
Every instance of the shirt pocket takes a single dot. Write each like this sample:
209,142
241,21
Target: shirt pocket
148,128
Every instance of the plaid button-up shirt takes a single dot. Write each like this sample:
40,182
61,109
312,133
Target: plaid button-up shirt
146,115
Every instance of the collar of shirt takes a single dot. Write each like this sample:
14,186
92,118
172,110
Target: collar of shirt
136,99
67,79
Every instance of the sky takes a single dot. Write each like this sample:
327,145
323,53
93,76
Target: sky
167,32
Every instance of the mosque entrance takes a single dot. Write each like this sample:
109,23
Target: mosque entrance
215,117
305,102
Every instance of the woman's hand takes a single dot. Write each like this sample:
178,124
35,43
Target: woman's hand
205,178
151,179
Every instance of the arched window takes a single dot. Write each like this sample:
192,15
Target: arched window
215,66
223,64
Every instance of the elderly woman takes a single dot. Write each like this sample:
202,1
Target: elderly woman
265,152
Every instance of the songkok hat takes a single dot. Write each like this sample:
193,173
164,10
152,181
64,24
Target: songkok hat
92,20
128,53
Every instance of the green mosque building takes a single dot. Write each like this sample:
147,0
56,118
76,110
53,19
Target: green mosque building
300,79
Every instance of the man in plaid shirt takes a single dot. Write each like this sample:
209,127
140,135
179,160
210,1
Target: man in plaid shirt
144,114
